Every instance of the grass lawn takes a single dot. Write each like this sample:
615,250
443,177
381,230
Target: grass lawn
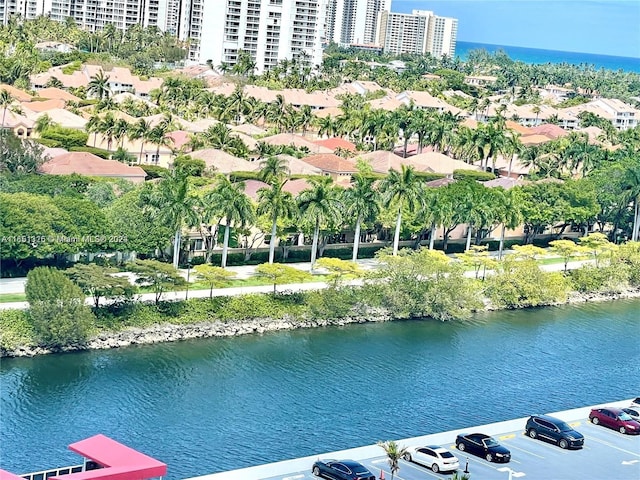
12,297
249,282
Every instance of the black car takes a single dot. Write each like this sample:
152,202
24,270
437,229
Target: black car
553,430
341,470
483,446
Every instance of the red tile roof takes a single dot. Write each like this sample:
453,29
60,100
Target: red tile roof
335,142
91,165
328,162
549,130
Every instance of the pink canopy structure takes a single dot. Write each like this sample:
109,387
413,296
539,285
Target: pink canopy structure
4,475
119,462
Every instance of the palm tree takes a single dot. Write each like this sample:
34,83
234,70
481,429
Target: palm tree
174,206
275,201
402,189
361,202
6,99
93,126
394,454
509,214
108,128
43,123
632,194
273,170
141,130
99,86
234,205
319,204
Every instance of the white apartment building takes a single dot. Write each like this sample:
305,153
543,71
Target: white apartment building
418,32
441,36
351,22
28,9
270,30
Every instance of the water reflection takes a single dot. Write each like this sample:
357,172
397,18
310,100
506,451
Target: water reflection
200,405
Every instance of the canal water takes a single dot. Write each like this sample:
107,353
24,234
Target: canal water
218,404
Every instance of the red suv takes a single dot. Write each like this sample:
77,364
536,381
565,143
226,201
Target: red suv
615,418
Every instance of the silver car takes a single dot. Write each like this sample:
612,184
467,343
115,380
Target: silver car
435,457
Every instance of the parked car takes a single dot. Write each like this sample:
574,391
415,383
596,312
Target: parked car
553,430
615,418
633,413
635,403
435,457
483,446
341,470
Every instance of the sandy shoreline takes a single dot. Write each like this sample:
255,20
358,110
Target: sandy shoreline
172,332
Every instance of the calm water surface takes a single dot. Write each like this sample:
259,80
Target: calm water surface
211,405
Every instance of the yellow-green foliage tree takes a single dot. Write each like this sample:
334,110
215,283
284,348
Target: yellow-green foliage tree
279,274
477,257
339,270
215,277
566,249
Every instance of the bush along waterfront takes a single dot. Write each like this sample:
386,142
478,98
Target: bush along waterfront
414,284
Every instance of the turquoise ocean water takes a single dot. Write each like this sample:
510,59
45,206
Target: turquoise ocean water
536,55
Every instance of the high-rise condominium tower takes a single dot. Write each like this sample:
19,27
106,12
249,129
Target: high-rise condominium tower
351,22
418,32
269,30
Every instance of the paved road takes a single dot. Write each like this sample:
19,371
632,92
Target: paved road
16,285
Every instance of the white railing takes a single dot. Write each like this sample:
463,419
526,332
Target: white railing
54,472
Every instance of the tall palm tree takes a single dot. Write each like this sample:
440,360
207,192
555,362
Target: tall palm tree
107,128
273,170
274,201
234,205
361,202
319,204
509,213
632,194
401,189
141,130
6,99
174,206
394,453
99,85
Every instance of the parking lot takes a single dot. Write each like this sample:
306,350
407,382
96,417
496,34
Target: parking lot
607,455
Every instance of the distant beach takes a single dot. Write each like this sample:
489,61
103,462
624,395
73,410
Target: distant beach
536,55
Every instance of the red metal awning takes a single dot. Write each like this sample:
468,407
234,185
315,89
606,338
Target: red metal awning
119,461
4,475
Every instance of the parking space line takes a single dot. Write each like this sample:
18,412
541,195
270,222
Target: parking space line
525,451
552,446
420,468
603,442
507,437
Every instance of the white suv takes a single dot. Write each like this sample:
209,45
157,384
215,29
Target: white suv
436,458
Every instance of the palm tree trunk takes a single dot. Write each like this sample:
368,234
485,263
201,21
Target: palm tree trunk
314,245
396,236
470,227
356,239
272,243
225,245
140,156
432,237
636,221
510,164
501,247
176,247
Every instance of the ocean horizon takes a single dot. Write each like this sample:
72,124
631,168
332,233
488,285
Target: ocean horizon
540,56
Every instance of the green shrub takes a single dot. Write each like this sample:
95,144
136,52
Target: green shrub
56,309
153,171
592,279
66,137
96,151
246,307
15,330
473,175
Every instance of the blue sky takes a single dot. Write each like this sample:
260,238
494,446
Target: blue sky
608,27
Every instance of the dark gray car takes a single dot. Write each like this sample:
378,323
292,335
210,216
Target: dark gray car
554,430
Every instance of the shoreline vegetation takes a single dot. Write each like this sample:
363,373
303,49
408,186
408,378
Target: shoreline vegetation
422,284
